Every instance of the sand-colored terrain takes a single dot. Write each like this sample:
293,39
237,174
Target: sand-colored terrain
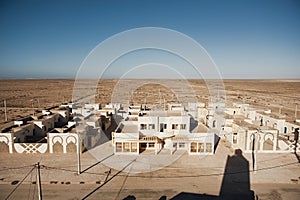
189,177
24,96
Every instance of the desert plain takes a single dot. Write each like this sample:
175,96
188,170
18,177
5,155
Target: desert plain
189,177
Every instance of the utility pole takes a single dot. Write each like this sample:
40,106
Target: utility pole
32,108
164,103
38,180
280,108
254,151
159,97
296,138
38,102
296,111
78,155
5,111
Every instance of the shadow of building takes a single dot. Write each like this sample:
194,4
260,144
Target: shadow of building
236,179
235,184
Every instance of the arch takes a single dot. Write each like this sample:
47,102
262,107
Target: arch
71,147
268,136
254,142
70,139
268,142
266,122
56,139
235,138
268,145
4,139
4,147
57,147
214,124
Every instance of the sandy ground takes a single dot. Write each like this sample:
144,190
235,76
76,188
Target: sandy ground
189,177
186,178
23,97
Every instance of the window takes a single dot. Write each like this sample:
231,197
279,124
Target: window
151,126
174,126
182,126
234,138
214,124
162,127
181,145
200,147
208,147
194,147
143,145
118,146
151,145
126,146
175,145
143,126
134,147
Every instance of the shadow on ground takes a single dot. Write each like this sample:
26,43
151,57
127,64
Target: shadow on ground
235,183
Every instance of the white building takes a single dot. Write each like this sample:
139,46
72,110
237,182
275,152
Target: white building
159,130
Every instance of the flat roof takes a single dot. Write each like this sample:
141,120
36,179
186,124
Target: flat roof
129,128
273,115
165,114
201,128
254,126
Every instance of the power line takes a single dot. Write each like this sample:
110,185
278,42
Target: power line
142,176
69,170
183,176
12,168
30,186
215,174
20,183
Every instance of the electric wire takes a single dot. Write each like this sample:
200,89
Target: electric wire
30,186
13,168
19,183
183,176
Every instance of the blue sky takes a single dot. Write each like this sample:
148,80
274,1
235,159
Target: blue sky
246,39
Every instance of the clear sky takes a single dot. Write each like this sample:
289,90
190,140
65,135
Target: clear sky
246,39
